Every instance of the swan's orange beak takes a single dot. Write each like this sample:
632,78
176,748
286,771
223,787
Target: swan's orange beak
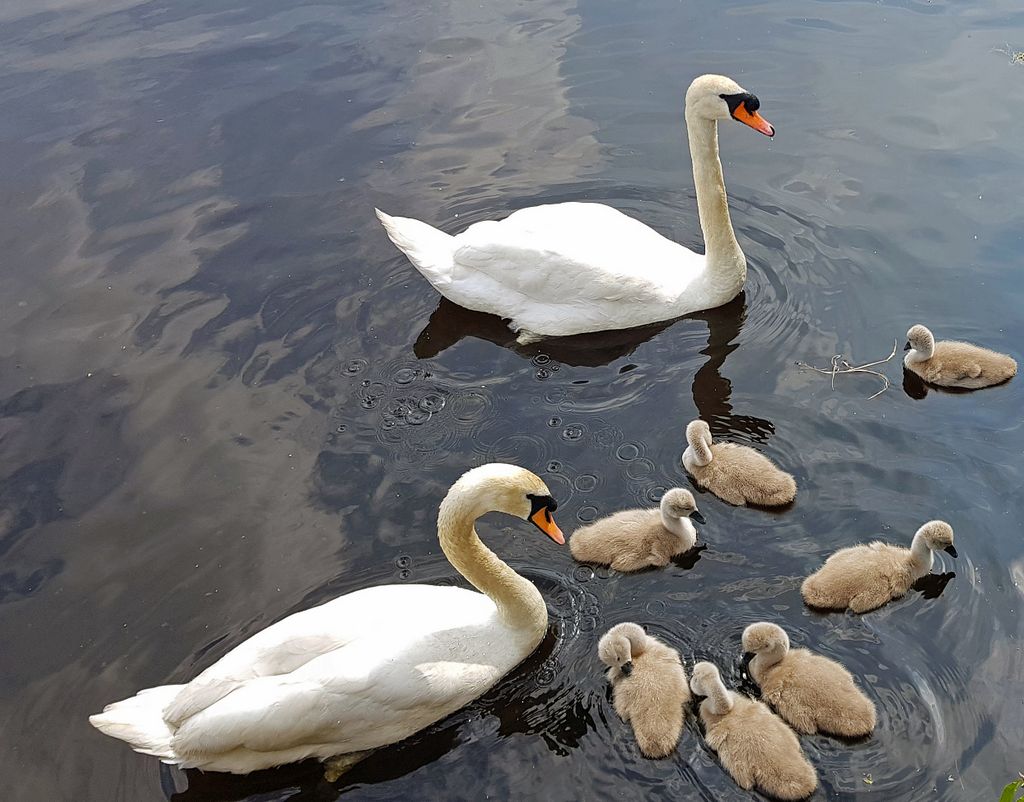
545,523
753,119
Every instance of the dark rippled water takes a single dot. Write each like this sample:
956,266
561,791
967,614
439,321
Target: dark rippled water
224,396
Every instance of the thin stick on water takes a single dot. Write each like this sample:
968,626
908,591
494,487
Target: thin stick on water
838,361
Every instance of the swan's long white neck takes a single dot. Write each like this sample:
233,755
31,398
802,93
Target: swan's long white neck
519,602
921,556
727,266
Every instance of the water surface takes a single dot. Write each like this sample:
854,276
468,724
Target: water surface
225,397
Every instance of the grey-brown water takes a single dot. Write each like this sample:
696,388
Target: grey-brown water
224,396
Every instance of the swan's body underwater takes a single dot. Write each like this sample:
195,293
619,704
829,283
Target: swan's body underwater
569,268
364,670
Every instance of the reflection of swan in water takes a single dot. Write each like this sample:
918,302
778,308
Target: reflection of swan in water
450,323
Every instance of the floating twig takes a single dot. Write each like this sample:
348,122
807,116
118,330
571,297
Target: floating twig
840,365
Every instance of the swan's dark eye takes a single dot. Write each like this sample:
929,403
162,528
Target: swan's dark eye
546,503
747,99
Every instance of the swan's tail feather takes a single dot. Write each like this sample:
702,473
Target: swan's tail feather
139,722
430,249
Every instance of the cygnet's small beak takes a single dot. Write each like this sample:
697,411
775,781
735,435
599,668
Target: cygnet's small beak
626,668
950,550
545,523
745,662
753,119
698,516
907,346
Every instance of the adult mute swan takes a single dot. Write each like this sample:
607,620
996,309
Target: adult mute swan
569,268
365,670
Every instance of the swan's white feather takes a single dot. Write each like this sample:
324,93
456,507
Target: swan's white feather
364,670
561,269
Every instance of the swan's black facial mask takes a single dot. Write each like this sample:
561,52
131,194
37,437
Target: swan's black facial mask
743,107
541,508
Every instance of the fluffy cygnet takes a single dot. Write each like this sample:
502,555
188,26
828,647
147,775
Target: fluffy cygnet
649,686
633,539
955,364
755,746
812,693
867,576
736,474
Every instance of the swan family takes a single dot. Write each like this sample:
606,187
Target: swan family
374,666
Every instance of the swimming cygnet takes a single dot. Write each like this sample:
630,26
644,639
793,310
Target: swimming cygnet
812,693
755,746
649,686
633,539
954,364
867,576
736,474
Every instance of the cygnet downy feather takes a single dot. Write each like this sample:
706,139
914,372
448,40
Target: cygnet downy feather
736,474
865,577
812,693
955,364
631,540
649,688
754,745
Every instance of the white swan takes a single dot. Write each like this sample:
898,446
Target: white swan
569,268
365,670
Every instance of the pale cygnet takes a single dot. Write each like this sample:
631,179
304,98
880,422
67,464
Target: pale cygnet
736,474
633,539
867,576
812,693
755,746
955,364
649,688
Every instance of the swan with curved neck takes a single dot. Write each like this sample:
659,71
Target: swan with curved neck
569,268
364,670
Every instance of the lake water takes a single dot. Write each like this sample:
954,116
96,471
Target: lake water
225,396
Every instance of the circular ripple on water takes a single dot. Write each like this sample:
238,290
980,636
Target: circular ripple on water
528,450
640,469
586,483
607,435
574,432
627,452
354,367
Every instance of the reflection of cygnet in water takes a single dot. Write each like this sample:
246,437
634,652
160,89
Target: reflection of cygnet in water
755,746
736,474
812,693
630,540
867,576
955,364
648,685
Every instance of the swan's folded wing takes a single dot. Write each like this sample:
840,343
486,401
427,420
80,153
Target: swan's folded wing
578,251
337,699
543,275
